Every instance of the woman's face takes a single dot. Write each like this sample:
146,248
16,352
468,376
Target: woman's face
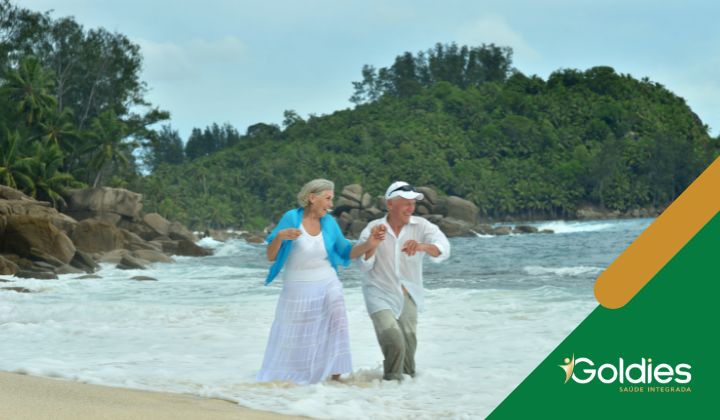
322,202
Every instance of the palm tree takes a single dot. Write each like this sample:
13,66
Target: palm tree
50,182
107,146
15,169
58,128
28,87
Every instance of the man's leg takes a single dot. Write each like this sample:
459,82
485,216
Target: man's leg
392,343
408,326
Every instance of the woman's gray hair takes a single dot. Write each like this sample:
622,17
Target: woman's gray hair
316,186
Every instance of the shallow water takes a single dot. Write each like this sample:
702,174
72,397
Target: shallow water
494,311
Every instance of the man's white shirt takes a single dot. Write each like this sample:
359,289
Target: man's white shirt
389,269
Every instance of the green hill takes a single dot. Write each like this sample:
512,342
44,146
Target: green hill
515,145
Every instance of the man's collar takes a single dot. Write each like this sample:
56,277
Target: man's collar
413,220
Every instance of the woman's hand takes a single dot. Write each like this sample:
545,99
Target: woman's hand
289,234
377,235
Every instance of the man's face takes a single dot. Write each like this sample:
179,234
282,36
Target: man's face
401,209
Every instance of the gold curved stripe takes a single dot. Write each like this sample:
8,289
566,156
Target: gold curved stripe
661,240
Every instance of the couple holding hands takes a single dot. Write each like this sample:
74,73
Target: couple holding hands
309,339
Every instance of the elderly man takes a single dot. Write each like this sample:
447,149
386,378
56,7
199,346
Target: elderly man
393,281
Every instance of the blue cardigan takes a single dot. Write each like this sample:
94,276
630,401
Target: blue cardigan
337,247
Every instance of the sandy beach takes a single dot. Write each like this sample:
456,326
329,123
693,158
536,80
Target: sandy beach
25,397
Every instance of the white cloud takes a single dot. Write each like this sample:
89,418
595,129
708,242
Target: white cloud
171,62
494,29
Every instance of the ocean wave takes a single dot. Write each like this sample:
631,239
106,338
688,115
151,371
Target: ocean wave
535,270
560,226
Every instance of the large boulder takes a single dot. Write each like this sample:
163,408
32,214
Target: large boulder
433,218
525,229
129,262
7,267
344,204
178,232
372,213
152,256
109,217
484,229
344,221
190,249
431,196
7,193
38,209
253,237
380,203
356,227
366,201
168,247
353,191
455,227
31,237
97,236
457,208
139,228
133,242
502,230
105,199
158,223
84,261
114,256
32,274
68,269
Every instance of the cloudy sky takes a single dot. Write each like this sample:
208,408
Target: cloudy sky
244,62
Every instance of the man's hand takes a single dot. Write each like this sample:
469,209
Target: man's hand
289,234
412,247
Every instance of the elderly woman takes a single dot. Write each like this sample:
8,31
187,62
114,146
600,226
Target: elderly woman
309,338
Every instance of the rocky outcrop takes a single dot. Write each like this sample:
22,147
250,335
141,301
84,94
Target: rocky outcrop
92,235
128,262
105,200
13,202
178,232
35,237
455,216
36,241
152,256
190,249
456,208
7,267
354,209
589,212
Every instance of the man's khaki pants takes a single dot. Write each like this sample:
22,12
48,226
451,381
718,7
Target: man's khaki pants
398,339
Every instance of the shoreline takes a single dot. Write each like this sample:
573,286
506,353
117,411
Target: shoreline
32,397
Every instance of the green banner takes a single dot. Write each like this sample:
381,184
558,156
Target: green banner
655,357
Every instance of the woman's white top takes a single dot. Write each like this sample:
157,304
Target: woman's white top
308,259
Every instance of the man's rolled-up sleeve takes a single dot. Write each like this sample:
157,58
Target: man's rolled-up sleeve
434,236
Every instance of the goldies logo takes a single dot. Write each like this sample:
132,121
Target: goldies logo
659,378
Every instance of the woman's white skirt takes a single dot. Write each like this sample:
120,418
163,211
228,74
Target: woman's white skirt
309,339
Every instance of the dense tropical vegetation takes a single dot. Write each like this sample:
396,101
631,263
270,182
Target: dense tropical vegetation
71,105
466,122
460,119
